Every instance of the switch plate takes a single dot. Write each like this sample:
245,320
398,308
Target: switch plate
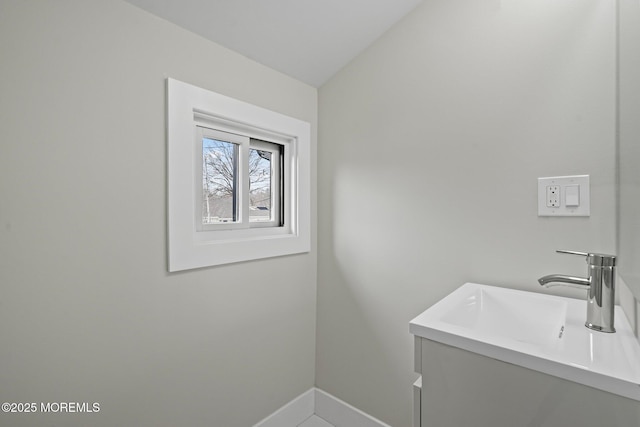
564,196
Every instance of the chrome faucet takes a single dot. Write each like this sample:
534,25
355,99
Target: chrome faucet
600,285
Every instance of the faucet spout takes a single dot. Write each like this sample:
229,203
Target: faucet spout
600,287
561,279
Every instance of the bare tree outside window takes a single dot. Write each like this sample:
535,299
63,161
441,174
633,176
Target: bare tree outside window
219,176
259,185
219,182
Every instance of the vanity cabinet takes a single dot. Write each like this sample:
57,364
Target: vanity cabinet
460,388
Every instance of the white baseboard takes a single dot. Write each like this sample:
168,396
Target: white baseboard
341,414
293,413
325,406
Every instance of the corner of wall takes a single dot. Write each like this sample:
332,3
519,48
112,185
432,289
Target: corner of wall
630,305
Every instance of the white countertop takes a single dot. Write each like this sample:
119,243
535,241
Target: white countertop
547,335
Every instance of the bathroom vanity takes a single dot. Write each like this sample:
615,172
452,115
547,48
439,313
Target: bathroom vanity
499,357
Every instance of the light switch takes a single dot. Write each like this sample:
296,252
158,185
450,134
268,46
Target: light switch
572,196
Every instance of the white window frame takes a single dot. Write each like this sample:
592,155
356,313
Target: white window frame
190,246
245,144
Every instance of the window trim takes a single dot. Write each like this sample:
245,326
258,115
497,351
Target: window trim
189,106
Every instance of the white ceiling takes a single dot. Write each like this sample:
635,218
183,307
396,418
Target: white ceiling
309,40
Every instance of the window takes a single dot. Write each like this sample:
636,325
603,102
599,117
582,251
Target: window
218,200
238,180
241,181
266,181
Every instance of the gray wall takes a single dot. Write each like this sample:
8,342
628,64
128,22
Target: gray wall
629,152
430,144
87,309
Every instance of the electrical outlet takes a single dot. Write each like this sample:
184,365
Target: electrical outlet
553,196
564,196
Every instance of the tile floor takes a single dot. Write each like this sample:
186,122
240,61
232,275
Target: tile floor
315,421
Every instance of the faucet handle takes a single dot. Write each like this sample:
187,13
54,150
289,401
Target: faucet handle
562,251
602,260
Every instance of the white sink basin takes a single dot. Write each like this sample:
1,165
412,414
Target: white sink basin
530,319
541,332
